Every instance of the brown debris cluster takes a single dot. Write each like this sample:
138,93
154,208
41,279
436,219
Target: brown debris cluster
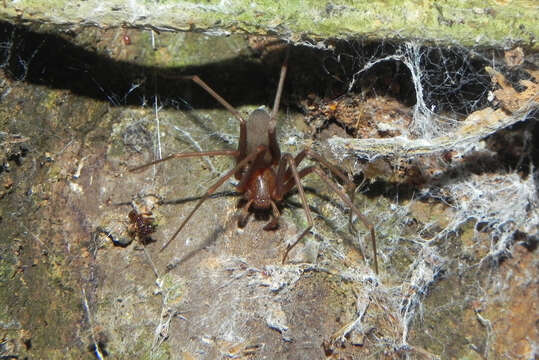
510,99
360,117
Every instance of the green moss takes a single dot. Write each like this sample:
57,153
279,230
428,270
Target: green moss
452,21
188,49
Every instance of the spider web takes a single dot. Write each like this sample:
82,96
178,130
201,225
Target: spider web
440,87
444,88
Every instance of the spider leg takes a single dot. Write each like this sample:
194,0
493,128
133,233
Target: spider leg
314,156
279,92
274,223
259,151
187,155
342,195
242,221
273,144
216,96
287,185
292,167
352,196
242,145
349,185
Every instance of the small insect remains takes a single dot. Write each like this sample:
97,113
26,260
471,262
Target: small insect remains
265,175
141,225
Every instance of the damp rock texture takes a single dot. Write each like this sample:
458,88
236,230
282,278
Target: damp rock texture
441,142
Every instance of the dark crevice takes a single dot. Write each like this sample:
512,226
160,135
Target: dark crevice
452,78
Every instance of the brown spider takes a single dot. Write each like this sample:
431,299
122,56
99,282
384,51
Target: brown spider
265,175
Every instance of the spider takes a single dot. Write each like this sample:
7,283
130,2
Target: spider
265,175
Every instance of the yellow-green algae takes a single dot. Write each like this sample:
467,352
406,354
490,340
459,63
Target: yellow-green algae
484,23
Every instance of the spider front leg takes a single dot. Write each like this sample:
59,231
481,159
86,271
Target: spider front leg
282,189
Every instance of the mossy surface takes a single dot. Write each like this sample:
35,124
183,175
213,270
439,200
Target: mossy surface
491,23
